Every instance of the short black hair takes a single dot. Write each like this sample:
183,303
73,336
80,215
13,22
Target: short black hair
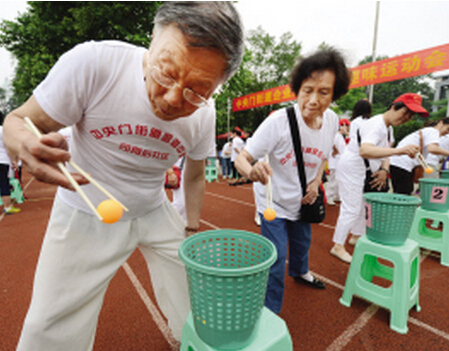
361,108
328,59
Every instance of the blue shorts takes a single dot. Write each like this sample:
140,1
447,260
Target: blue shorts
5,189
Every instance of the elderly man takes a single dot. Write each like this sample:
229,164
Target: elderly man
134,112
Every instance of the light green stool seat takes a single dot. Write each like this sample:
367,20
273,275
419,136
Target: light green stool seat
429,238
401,295
211,170
270,334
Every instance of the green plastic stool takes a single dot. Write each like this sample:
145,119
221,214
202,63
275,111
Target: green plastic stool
430,238
401,295
270,334
16,192
211,170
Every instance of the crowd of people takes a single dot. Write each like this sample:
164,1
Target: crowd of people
170,131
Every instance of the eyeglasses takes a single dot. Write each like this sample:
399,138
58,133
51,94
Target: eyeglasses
168,82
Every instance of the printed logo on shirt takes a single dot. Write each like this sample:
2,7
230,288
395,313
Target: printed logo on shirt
144,131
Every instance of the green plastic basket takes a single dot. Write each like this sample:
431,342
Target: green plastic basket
389,217
227,271
445,174
434,194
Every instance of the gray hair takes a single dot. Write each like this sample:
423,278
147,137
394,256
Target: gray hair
209,24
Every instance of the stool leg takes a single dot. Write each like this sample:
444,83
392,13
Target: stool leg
399,312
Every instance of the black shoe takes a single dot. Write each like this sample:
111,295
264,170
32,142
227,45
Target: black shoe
317,284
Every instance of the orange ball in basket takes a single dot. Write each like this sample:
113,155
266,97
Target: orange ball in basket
269,214
110,210
429,170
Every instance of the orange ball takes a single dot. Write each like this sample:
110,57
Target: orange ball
110,210
269,214
429,170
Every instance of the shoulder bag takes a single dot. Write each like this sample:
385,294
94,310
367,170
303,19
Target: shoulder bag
367,187
310,213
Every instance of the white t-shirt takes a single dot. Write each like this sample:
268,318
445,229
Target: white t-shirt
351,167
4,156
430,135
436,159
227,150
98,87
237,143
340,145
273,138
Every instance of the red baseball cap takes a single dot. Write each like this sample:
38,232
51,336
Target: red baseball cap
344,121
413,103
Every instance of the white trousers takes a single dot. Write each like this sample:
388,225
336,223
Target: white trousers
352,212
79,257
332,192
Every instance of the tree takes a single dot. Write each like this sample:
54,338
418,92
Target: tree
48,29
3,104
266,64
385,93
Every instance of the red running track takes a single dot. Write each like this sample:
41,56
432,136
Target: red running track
130,320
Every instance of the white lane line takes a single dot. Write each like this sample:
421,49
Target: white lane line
28,184
353,329
157,317
429,328
231,199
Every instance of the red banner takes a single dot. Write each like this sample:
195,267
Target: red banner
399,67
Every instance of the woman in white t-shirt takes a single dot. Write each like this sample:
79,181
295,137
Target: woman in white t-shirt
317,81
426,139
6,165
435,161
374,145
332,193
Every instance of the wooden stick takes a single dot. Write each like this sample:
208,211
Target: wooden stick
422,160
95,183
64,170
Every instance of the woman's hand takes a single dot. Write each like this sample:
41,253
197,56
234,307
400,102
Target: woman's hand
260,172
311,192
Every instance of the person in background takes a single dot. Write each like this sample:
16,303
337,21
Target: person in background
237,146
427,140
226,160
435,161
6,165
317,80
341,138
137,111
370,140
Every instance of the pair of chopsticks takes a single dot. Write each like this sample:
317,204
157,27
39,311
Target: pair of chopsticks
30,125
423,162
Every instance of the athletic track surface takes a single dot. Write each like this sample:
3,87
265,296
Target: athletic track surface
130,320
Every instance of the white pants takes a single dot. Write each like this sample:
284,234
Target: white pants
332,192
352,212
79,257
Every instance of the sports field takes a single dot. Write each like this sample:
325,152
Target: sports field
130,320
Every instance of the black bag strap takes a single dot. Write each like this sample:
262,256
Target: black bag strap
297,146
359,140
